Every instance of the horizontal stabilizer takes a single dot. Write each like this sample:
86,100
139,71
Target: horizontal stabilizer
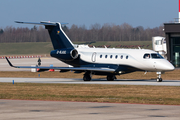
43,23
46,23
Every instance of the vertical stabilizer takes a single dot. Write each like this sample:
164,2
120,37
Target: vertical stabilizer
58,38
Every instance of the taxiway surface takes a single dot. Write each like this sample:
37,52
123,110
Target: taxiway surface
94,81
56,110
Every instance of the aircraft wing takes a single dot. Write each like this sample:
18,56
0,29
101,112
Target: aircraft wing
65,68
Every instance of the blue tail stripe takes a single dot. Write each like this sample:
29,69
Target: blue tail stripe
58,37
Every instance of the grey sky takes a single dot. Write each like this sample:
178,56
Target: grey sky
146,13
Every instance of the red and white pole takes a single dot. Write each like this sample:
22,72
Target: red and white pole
179,11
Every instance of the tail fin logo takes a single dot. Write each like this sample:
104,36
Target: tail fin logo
58,32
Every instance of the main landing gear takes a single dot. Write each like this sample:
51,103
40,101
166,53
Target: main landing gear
87,76
159,79
111,77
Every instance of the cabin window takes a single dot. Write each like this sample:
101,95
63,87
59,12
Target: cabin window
100,56
126,57
156,56
116,56
111,56
121,56
106,56
146,56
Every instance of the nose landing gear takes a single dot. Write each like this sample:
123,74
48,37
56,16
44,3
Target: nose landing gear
159,79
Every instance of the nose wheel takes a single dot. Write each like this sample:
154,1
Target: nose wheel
159,79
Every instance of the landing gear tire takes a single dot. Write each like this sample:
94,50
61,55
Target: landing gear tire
87,76
159,79
110,77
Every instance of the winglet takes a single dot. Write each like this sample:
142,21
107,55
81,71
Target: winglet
9,62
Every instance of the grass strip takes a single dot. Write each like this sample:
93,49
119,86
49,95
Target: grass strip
46,47
166,95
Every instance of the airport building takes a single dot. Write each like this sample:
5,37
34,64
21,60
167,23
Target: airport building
172,35
169,46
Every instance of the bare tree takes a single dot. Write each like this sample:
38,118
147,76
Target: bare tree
96,32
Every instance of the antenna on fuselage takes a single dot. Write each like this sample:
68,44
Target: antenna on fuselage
105,46
139,47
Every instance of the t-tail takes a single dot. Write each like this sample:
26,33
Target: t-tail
63,47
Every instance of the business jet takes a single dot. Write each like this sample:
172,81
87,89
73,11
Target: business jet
99,61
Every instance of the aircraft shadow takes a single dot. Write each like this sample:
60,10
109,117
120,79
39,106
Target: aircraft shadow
104,80
75,80
124,80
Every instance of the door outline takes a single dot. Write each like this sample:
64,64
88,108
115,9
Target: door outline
93,57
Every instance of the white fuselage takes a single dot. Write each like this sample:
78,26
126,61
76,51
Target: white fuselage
130,57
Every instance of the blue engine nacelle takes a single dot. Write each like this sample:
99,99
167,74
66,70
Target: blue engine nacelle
65,54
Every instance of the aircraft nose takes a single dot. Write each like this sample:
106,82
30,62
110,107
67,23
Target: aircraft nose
165,66
169,67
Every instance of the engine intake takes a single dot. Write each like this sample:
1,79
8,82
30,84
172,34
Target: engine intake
74,53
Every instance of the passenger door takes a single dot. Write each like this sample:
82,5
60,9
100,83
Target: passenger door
93,57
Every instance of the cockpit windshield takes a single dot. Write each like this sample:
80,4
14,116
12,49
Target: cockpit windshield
152,56
156,56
